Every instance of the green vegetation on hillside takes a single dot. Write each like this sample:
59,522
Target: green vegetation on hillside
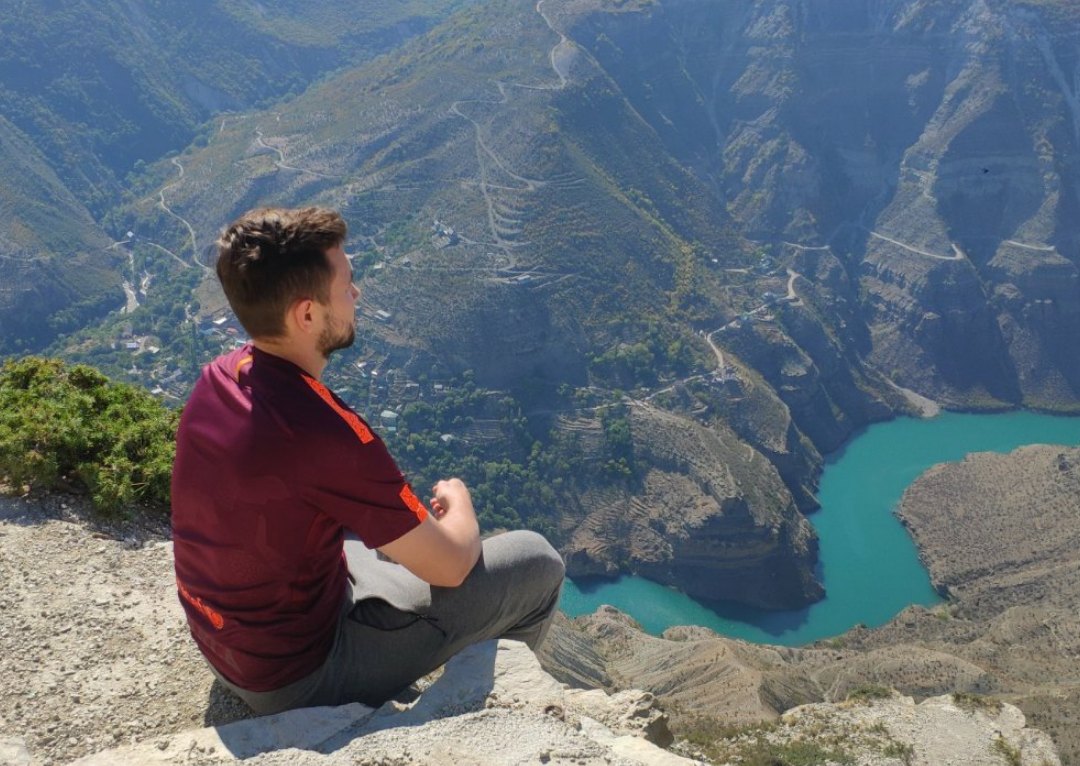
134,82
69,427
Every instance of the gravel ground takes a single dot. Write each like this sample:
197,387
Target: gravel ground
94,650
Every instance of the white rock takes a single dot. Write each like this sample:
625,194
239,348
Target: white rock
13,752
493,704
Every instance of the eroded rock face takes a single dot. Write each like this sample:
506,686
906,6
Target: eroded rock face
922,143
711,516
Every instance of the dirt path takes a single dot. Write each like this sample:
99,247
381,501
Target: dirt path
280,161
190,229
957,255
94,650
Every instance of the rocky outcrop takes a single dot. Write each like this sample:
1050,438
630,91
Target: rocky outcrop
894,731
702,679
492,705
692,670
97,667
711,517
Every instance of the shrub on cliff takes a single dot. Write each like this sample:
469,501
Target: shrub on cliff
72,428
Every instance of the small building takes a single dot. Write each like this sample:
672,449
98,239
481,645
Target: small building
389,420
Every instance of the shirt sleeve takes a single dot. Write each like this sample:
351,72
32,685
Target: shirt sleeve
353,479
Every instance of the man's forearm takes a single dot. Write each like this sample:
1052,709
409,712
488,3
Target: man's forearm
461,526
453,508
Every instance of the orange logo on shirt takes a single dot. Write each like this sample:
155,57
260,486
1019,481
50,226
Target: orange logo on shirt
350,418
201,607
412,502
240,366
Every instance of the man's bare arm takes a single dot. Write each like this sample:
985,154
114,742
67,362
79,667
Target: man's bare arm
446,545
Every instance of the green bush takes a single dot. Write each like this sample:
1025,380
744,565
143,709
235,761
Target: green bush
868,692
70,427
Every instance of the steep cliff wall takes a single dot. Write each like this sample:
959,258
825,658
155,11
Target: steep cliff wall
926,144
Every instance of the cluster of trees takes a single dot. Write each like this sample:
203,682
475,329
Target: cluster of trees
517,480
70,427
642,362
518,484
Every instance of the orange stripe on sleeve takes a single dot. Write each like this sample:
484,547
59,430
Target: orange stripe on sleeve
240,366
201,606
362,432
413,502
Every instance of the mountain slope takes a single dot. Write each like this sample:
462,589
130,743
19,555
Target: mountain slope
55,271
91,90
931,148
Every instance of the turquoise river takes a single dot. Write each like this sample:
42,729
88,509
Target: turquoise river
869,565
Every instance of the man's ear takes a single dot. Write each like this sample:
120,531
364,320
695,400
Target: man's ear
300,316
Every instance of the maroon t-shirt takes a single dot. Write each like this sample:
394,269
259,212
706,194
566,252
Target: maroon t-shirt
271,469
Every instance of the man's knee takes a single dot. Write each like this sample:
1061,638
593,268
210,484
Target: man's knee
532,551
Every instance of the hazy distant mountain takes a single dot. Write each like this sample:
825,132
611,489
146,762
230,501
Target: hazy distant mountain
89,89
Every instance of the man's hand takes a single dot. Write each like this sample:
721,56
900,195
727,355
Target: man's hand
447,493
445,547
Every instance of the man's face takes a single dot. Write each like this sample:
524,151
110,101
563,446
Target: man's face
339,319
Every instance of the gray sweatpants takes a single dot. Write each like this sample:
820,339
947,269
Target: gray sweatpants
395,628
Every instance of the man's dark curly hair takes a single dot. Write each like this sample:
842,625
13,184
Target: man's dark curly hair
270,258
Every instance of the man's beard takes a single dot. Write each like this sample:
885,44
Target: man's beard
335,336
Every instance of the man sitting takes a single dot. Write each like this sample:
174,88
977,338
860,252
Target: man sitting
281,493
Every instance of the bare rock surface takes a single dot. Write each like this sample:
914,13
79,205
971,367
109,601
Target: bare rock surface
938,731
94,650
493,704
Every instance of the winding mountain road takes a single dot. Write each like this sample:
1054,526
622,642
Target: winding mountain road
280,162
958,254
502,227
190,229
